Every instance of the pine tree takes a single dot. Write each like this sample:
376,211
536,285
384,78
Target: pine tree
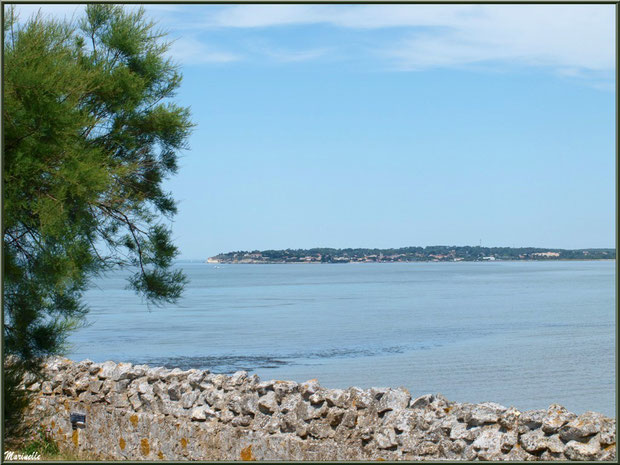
90,133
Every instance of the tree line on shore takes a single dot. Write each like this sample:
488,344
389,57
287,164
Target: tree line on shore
412,254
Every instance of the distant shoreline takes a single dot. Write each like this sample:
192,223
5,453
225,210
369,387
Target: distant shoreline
413,254
409,262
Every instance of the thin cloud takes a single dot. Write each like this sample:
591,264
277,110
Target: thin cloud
243,16
54,11
266,49
289,56
191,51
359,16
558,36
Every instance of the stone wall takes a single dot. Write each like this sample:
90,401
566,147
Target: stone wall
137,412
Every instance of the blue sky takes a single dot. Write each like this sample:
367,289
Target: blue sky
393,125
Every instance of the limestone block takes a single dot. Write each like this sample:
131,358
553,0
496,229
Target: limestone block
557,416
584,426
533,441
196,378
268,404
461,431
385,437
107,370
422,401
487,412
46,387
176,374
290,402
362,399
320,430
95,386
202,413
488,444
576,450
155,374
335,416
309,388
82,383
393,399
284,388
349,419
246,403
134,400
238,378
338,398
244,420
174,391
509,419
189,398
403,421
531,420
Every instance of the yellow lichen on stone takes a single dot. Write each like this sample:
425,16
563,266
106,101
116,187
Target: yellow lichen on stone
53,424
447,409
247,455
183,443
121,443
74,437
610,446
134,420
144,446
160,455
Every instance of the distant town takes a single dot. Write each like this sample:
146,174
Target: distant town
438,253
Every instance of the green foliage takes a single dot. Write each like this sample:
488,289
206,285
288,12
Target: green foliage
41,443
17,398
90,134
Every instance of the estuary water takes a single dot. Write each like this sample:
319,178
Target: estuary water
523,334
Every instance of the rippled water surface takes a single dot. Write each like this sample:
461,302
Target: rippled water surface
526,334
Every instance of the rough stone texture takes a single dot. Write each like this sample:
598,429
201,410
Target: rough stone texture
139,412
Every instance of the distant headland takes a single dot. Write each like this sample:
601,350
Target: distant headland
437,253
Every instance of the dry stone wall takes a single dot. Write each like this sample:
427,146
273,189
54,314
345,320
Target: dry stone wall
138,412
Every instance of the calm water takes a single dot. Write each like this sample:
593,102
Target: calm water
521,334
